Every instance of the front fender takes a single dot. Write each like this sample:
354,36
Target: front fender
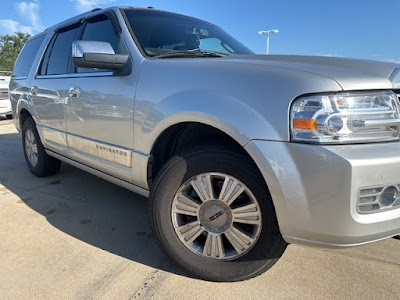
246,101
230,115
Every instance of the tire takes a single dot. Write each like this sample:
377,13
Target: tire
39,163
9,117
224,264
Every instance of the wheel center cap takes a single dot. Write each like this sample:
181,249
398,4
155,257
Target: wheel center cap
215,216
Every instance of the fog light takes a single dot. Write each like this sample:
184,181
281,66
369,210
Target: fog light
377,199
388,196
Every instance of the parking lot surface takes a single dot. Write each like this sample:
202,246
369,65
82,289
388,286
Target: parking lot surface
75,236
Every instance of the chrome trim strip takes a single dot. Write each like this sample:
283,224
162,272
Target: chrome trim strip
44,126
99,149
140,153
122,183
111,153
100,164
51,128
19,77
75,75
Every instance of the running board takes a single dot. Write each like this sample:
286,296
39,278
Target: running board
100,174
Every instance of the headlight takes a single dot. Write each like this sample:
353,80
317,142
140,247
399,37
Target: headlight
346,118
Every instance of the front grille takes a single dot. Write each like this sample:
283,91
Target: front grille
377,199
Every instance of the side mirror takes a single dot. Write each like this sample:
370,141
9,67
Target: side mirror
97,55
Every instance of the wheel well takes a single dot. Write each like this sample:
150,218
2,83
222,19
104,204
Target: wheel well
24,114
185,137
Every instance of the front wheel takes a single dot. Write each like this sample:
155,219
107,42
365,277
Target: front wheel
213,216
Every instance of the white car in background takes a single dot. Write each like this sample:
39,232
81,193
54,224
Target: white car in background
5,104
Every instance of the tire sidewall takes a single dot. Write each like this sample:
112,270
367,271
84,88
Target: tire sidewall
29,124
263,254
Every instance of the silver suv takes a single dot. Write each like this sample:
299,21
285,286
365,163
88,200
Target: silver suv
238,153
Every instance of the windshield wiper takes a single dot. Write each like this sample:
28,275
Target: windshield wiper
192,53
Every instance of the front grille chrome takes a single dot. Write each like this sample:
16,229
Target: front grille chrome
378,199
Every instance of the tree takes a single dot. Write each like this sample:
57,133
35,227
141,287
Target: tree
10,47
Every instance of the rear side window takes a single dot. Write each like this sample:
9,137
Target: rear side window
59,60
28,54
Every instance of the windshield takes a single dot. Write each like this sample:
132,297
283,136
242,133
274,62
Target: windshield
160,33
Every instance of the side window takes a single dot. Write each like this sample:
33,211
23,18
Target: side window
25,59
58,61
99,29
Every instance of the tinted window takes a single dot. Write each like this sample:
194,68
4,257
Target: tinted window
28,54
162,32
59,61
99,29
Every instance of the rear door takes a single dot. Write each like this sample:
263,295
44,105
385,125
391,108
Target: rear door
49,89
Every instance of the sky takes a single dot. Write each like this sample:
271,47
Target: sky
366,29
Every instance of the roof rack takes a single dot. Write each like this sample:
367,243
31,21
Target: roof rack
96,9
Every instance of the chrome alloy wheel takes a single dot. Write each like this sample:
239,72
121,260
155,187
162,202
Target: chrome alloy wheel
216,216
31,148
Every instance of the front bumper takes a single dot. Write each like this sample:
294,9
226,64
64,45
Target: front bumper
5,107
315,190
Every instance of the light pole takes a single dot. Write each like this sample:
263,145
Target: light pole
267,32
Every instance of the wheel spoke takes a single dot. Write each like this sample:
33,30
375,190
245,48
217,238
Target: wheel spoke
239,240
34,148
213,246
31,147
186,206
203,187
30,136
190,231
231,189
27,143
34,159
248,214
209,224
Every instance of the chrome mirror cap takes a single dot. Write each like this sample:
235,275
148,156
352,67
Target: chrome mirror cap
81,47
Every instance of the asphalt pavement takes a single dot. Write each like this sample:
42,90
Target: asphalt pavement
76,236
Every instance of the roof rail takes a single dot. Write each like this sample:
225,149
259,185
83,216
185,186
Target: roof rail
77,17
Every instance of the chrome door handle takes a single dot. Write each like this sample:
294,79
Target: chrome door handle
74,92
33,91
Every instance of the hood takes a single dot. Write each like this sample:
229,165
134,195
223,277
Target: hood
350,74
